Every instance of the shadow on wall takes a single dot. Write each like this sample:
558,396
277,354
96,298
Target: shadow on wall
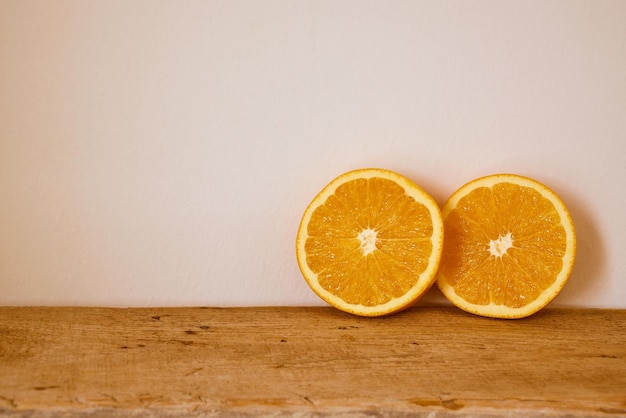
590,264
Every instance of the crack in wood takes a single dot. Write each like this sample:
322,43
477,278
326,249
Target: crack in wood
194,371
447,403
45,387
9,401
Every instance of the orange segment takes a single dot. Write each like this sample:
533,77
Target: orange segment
509,249
370,242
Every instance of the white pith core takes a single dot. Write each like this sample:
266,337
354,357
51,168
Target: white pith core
367,238
500,246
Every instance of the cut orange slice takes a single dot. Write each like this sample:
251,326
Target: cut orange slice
370,242
509,248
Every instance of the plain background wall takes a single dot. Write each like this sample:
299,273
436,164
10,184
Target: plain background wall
162,152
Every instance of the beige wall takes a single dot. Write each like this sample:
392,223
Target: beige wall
162,152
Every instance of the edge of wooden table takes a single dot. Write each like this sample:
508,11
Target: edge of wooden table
309,361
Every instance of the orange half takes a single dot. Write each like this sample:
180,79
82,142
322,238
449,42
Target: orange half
509,249
370,242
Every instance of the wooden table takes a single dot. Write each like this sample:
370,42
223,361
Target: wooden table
424,362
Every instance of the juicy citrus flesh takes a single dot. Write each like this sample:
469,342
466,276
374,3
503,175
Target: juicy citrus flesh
370,242
509,248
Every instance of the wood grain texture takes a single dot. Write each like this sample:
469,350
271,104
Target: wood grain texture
435,362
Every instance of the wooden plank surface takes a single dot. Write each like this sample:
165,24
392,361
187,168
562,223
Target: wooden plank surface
426,361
